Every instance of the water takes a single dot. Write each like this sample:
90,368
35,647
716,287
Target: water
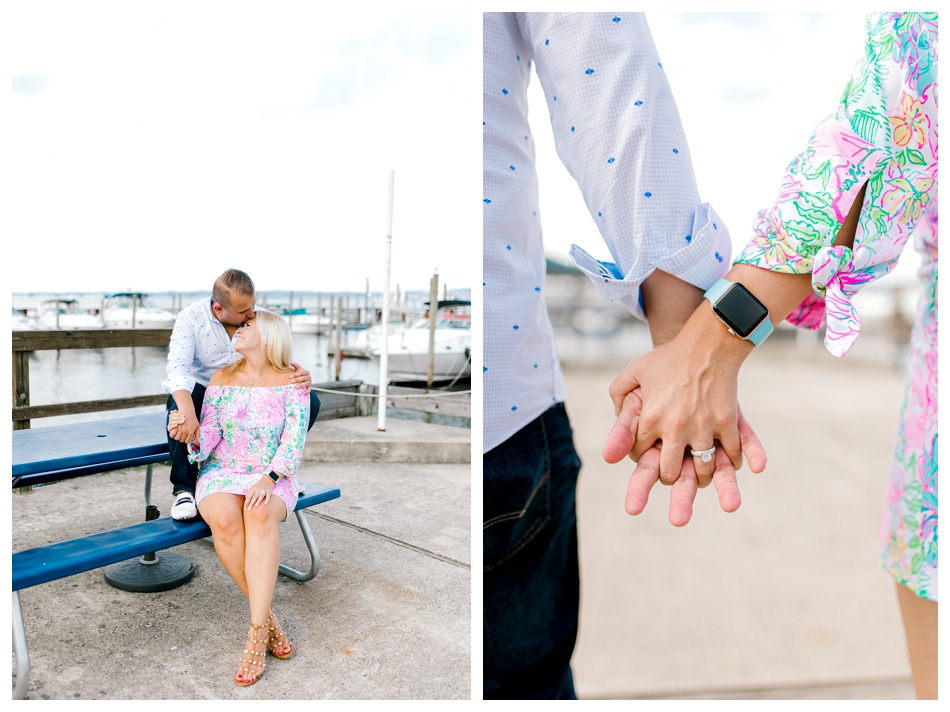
76,375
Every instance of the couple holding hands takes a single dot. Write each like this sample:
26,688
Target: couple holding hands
864,185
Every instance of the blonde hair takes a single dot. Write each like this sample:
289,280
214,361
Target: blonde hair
276,340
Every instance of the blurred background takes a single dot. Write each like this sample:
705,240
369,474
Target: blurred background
785,598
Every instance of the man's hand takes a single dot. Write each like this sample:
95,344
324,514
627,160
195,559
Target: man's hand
301,377
182,428
683,491
621,440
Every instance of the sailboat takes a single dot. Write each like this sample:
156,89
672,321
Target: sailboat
133,310
451,356
65,314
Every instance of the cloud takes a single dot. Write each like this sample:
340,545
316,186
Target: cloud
361,66
31,83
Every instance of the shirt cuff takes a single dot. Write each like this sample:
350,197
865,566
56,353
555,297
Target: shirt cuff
702,261
179,383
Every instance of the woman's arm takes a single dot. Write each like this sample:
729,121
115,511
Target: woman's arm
209,431
296,418
845,211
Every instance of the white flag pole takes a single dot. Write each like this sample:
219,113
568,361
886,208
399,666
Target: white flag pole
384,356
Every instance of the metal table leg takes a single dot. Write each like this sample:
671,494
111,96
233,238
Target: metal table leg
311,546
21,651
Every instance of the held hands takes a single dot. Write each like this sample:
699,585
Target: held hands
183,428
259,493
682,396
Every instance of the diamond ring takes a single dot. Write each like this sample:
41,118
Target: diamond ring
706,455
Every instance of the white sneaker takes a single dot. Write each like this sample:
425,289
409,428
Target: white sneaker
184,506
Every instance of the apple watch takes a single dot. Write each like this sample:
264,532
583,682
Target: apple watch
274,476
740,311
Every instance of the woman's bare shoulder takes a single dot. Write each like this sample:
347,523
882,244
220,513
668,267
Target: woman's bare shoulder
220,378
283,378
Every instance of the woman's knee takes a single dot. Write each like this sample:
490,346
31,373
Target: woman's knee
263,520
224,523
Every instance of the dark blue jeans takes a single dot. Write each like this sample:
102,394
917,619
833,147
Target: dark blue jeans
531,583
184,475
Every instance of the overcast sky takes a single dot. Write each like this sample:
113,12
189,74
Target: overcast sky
750,88
156,144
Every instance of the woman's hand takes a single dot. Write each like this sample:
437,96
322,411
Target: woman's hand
686,398
259,493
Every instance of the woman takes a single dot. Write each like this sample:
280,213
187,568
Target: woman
253,426
865,184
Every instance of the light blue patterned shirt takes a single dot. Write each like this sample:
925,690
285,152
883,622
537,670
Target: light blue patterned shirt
199,346
618,132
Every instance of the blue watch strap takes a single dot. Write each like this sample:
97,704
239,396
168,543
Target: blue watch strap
716,291
761,331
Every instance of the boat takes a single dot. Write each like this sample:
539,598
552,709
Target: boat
370,337
65,314
22,322
133,310
408,351
301,321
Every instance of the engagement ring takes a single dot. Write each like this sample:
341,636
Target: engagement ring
706,455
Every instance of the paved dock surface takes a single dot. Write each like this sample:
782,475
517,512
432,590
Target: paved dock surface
388,615
783,599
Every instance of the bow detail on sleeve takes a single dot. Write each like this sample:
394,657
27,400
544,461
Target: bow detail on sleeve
834,278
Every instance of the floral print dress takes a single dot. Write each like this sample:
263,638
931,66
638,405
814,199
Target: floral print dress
883,135
247,432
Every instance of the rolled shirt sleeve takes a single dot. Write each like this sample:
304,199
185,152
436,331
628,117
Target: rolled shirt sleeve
882,135
618,132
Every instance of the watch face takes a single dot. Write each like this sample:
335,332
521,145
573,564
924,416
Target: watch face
741,311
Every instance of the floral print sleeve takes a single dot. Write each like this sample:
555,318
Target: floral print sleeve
884,135
296,417
209,431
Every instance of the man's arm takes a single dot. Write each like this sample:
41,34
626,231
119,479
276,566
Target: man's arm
179,380
668,302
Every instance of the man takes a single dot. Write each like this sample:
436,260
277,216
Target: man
618,132
202,342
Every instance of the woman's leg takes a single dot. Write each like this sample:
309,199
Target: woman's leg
262,555
920,626
224,513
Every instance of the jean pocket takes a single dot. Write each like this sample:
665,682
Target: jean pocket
517,495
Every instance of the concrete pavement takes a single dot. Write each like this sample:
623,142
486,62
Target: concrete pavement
783,599
388,615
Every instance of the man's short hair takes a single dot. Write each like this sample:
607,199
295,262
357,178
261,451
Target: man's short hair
230,282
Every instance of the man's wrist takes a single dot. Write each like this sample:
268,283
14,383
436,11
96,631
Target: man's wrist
668,303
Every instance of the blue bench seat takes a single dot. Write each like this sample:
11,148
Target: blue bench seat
55,561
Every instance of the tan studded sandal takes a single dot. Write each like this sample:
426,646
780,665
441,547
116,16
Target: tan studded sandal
278,643
252,664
